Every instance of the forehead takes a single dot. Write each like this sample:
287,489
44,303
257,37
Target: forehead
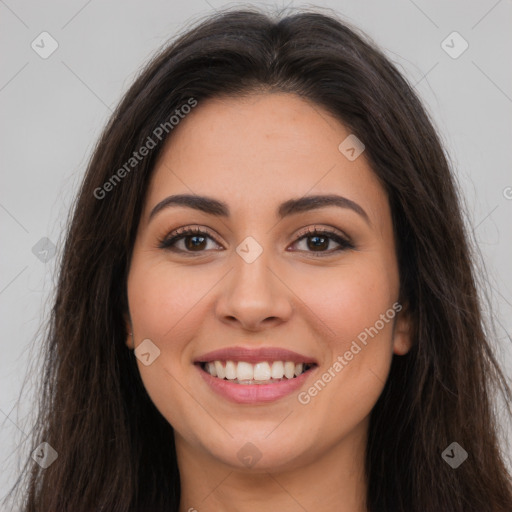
257,151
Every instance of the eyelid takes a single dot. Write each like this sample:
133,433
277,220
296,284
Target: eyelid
344,241
185,231
326,229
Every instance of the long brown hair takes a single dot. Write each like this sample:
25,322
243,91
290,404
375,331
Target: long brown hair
115,450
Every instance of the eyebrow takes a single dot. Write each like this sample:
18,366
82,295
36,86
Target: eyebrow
218,208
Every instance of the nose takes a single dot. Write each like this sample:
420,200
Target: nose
254,296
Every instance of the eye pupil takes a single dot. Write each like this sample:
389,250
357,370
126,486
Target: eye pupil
195,240
194,245
318,245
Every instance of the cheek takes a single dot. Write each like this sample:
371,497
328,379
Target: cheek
167,305
349,300
358,309
162,299
160,307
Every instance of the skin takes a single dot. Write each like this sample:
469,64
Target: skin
255,153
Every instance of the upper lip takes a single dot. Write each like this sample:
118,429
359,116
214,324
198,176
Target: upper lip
254,355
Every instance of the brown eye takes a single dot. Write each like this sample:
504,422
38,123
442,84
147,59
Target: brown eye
194,240
318,241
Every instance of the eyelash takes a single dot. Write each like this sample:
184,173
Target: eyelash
168,242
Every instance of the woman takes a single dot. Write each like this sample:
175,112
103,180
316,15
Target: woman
266,298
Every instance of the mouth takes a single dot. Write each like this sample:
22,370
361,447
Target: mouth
255,375
260,373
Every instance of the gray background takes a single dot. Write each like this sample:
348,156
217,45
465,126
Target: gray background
53,109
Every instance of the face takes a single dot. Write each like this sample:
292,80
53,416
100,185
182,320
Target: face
269,278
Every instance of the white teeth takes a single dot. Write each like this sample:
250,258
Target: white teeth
230,370
262,371
277,370
221,373
243,372
210,368
289,369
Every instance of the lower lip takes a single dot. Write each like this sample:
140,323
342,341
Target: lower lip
254,393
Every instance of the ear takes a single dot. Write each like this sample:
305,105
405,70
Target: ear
402,332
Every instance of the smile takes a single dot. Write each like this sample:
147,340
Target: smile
250,375
264,372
